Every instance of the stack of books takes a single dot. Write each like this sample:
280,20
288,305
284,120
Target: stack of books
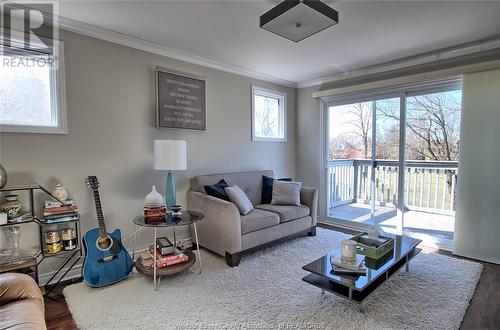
146,260
154,214
340,266
162,261
54,211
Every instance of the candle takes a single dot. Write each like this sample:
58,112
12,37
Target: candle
348,251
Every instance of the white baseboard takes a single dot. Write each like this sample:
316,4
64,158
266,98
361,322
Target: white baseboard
75,272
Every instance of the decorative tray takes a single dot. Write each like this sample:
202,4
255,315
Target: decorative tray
373,248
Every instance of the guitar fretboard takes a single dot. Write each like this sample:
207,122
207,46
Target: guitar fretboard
100,216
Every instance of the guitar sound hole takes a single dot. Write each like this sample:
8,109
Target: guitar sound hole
104,243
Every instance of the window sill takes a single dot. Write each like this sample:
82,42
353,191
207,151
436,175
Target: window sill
263,139
33,129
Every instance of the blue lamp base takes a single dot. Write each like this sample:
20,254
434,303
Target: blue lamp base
170,191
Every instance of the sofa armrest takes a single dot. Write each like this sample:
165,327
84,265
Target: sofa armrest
220,230
14,287
309,197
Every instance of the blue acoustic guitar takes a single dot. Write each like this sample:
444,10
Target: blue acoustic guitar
106,260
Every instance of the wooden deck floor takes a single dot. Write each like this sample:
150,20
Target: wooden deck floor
426,226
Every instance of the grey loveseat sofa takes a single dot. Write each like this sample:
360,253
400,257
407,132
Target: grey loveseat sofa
229,234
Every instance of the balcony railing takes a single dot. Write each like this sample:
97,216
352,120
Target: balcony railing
429,185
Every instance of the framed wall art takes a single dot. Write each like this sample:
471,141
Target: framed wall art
180,100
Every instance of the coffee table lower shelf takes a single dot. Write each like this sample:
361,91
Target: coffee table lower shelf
355,295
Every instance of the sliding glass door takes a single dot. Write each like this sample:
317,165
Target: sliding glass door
431,164
402,181
363,153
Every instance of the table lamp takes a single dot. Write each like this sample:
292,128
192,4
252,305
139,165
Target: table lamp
170,155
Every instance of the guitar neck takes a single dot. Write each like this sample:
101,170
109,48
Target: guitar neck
100,216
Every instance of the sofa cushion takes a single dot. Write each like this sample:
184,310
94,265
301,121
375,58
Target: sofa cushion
267,188
238,197
258,219
286,193
217,190
286,212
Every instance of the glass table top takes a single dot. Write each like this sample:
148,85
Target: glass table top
186,218
403,246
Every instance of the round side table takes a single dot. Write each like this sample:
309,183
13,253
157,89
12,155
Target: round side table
187,218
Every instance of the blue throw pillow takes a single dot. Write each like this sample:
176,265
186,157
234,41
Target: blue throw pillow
217,190
267,188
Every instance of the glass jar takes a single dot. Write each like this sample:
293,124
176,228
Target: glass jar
53,241
68,239
348,251
52,236
54,247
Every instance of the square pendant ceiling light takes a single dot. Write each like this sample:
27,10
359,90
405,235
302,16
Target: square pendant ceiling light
299,19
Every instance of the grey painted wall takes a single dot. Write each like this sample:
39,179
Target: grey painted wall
110,97
477,224
308,152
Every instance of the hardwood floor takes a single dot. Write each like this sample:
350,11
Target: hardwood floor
484,308
483,311
57,314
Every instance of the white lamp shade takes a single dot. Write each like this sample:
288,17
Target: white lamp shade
170,155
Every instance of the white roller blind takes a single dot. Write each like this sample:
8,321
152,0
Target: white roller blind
477,223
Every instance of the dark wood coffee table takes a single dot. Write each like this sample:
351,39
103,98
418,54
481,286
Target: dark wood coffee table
358,288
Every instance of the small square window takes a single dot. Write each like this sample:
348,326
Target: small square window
31,92
268,115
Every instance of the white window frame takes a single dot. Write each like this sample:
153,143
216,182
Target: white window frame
58,97
256,90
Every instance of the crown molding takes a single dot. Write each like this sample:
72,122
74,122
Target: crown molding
423,59
156,48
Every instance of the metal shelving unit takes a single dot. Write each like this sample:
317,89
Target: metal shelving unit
71,256
33,261
20,222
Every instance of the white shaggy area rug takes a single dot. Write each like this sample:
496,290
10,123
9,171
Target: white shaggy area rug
267,291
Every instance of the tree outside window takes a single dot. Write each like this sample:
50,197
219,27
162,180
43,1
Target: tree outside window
268,115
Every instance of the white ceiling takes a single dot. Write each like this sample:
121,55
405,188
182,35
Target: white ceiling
369,32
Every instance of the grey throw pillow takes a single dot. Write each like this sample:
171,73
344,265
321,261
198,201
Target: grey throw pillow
286,193
240,199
